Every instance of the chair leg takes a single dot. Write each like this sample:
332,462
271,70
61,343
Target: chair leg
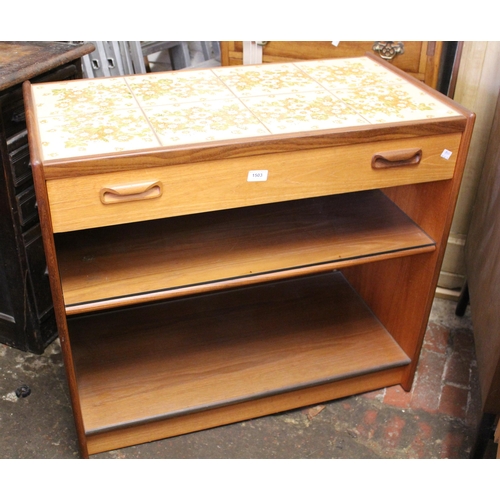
179,56
484,435
463,301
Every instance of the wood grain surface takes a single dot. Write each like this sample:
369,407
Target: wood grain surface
178,255
188,355
201,187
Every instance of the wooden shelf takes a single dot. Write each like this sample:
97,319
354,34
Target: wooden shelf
189,355
134,263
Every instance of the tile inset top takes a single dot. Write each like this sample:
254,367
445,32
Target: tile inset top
164,110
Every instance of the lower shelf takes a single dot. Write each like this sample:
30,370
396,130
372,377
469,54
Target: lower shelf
185,356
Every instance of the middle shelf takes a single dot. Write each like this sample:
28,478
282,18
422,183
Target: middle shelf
135,263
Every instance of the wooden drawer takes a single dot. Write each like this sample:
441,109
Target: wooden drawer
13,116
27,207
152,193
20,165
38,273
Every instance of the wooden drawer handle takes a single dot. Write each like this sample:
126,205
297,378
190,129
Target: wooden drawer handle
398,158
131,192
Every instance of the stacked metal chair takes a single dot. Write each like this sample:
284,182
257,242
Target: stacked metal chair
128,57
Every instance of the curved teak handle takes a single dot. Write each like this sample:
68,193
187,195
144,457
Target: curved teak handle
398,158
131,192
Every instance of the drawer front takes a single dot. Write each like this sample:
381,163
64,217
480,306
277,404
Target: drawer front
114,198
20,165
17,141
27,207
38,273
13,115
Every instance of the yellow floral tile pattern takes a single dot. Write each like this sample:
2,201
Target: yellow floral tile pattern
349,73
247,81
107,115
393,103
77,97
95,133
216,120
287,113
159,89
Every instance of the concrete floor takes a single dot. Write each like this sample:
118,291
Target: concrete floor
437,419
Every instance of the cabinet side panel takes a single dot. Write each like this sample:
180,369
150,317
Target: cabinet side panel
50,253
409,284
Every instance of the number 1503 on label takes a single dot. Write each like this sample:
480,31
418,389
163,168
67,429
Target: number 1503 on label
257,175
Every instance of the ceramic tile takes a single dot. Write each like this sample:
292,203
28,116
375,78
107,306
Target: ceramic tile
107,115
375,92
189,123
76,97
160,89
247,81
95,133
287,113
348,73
394,103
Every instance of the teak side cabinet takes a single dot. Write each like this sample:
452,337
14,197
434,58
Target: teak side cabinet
228,243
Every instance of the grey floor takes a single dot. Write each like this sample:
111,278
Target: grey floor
437,419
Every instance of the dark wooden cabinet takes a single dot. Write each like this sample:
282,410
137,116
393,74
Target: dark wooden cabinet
26,313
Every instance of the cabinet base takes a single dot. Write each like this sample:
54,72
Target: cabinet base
121,438
223,357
